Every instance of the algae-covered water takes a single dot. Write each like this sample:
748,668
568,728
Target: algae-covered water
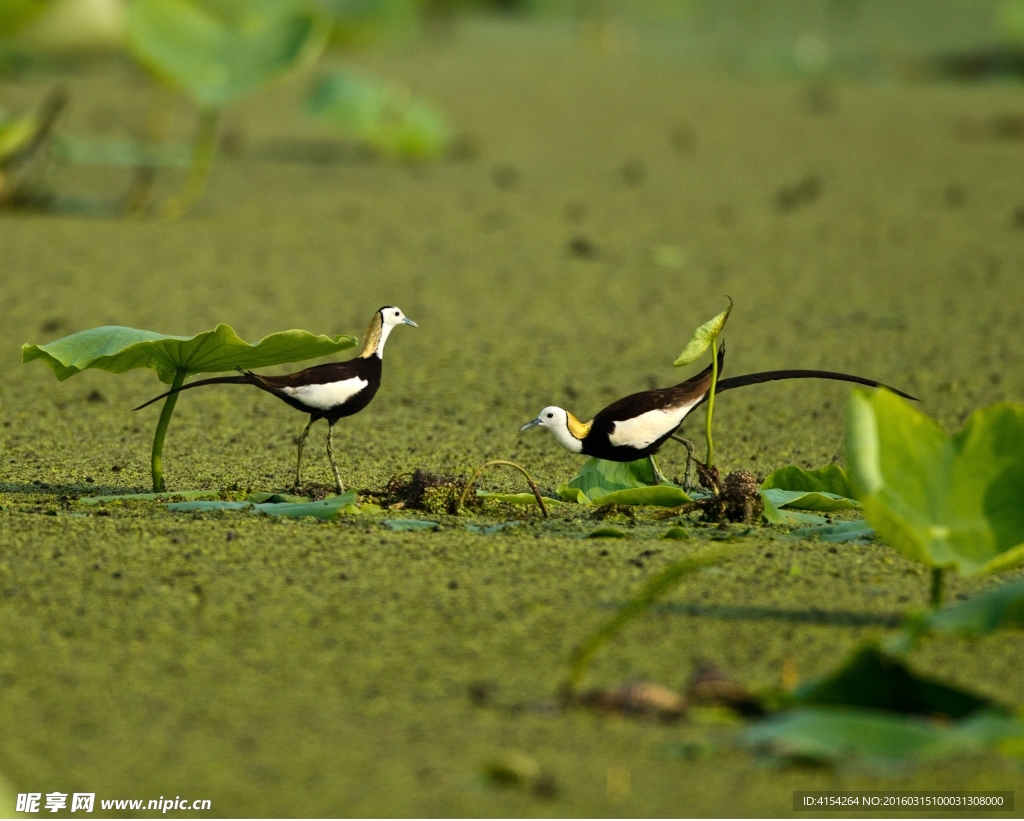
608,205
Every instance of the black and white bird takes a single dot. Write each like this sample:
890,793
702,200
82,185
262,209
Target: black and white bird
332,391
637,425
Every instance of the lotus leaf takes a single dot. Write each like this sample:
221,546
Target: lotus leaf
217,51
411,524
383,117
702,338
828,479
855,531
620,483
836,734
117,349
149,497
945,501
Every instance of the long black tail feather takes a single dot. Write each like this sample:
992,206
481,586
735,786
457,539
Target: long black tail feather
244,379
772,376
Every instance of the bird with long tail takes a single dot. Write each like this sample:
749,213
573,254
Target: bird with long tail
332,391
636,426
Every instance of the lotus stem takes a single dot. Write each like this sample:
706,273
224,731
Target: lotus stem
711,402
202,158
520,468
161,431
938,588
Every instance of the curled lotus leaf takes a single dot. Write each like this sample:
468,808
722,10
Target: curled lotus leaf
827,479
117,349
946,501
621,483
216,51
702,338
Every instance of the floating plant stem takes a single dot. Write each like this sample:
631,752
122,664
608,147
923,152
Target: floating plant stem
653,590
202,158
938,587
161,432
520,468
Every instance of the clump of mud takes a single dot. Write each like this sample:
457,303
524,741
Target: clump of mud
423,490
735,499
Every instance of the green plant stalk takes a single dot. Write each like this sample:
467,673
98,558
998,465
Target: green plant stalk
161,432
653,590
520,468
203,151
938,586
711,402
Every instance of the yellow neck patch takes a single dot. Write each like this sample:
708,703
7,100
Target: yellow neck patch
576,427
372,336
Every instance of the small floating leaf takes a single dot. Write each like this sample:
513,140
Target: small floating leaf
118,349
775,500
118,153
328,508
679,533
855,531
275,498
828,479
492,529
149,497
217,51
515,498
702,338
607,533
411,524
945,501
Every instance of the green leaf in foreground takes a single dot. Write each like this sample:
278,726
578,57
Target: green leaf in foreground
329,508
999,609
620,483
216,51
833,735
384,118
118,349
702,338
946,501
828,479
654,589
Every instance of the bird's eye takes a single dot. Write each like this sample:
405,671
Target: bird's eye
551,416
397,313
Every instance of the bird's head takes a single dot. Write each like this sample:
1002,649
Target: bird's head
567,429
391,316
380,326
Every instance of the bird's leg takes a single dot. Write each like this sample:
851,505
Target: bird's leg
330,454
301,442
659,477
687,484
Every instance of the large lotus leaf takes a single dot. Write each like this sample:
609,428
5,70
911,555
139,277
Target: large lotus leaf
383,117
831,734
622,483
702,338
117,349
946,501
872,679
216,51
828,479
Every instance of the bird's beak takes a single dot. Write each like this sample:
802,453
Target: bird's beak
529,425
407,321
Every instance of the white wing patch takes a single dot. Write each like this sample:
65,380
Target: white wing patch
328,395
643,430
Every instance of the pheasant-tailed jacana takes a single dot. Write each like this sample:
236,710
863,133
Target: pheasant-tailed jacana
637,425
331,391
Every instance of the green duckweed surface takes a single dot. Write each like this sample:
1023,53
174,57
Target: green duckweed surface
343,668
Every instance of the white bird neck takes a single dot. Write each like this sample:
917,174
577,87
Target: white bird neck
384,331
566,439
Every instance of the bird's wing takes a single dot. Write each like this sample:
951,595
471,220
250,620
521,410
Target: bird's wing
317,375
